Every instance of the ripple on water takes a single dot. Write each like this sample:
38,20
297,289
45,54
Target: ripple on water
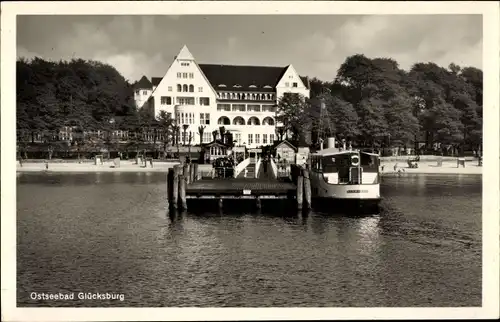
423,249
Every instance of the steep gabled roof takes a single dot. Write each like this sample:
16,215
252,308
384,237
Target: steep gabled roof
216,142
284,142
235,78
305,80
156,80
143,83
243,78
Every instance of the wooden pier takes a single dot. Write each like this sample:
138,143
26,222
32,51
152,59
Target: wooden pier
186,183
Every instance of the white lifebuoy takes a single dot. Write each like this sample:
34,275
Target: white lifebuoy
355,160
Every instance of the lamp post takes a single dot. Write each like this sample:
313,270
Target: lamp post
110,136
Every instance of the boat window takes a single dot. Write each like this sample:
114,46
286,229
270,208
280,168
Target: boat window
369,160
330,163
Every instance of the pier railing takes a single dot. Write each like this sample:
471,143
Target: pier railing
257,167
241,166
274,168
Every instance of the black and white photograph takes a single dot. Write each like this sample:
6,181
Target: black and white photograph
250,155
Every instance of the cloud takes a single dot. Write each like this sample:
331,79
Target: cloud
414,38
134,65
315,45
25,53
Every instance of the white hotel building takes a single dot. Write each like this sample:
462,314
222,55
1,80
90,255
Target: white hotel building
243,99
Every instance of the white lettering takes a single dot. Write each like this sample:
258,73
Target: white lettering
52,296
101,296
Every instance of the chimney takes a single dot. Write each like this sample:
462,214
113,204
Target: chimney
331,142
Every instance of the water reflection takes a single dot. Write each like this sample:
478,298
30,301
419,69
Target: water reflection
412,253
369,232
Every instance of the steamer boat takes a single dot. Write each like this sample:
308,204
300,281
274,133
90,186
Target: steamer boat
345,175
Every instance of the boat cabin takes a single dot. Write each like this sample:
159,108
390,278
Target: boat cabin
347,167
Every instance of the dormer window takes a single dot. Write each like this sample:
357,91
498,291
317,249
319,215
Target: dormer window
222,85
237,86
267,86
252,86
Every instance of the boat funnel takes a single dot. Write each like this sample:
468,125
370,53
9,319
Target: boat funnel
331,142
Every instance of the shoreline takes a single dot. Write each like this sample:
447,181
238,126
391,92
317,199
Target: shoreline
447,168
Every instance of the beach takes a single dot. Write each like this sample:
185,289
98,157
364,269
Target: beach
106,166
387,167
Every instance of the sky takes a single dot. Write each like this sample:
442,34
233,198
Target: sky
316,45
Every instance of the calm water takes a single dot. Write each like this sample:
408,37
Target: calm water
109,232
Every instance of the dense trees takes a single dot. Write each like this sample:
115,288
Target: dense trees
374,103
91,98
84,94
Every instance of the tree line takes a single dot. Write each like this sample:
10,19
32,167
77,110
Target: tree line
374,103
371,102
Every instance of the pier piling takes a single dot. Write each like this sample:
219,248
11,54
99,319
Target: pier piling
195,165
300,189
170,181
175,186
307,188
185,172
191,173
183,181
258,202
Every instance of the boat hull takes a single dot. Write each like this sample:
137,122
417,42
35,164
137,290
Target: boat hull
322,189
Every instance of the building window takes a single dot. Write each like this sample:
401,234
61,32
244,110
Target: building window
204,118
224,107
287,84
166,100
238,107
205,101
185,100
144,92
184,64
138,92
184,88
237,137
191,118
179,75
191,75
257,138
191,88
222,85
269,108
271,138
200,89
207,137
179,87
170,88
295,84
184,75
252,86
253,108
250,138
264,138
